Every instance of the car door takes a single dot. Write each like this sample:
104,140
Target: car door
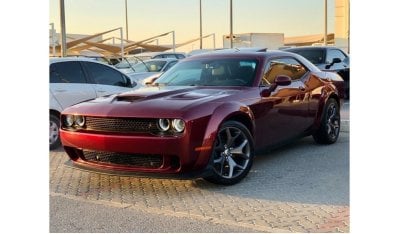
69,84
106,80
284,113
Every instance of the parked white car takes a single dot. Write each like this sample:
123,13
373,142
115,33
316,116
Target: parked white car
74,80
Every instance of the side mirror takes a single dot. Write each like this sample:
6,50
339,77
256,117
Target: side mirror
283,80
128,82
334,60
150,81
280,80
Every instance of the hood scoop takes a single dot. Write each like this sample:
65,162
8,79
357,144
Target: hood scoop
128,98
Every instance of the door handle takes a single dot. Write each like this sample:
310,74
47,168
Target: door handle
101,91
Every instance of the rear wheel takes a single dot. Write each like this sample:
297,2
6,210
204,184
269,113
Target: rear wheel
232,154
54,133
328,131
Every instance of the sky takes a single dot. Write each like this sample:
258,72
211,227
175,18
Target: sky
147,18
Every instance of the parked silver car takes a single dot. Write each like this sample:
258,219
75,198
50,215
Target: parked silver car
142,70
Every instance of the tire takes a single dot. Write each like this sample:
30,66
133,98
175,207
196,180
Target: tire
232,154
54,133
347,97
328,131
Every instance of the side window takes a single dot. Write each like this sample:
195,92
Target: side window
66,72
282,66
105,75
334,54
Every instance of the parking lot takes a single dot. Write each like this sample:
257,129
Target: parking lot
302,187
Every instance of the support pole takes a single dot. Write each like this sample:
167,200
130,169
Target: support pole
122,43
326,22
126,19
53,42
63,33
173,40
214,40
201,29
231,31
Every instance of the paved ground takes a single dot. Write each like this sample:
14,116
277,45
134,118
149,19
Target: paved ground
303,187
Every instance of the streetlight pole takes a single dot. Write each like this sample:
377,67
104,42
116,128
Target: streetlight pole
326,22
201,29
231,32
126,19
63,33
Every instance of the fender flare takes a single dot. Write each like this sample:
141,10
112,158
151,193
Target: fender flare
222,113
326,94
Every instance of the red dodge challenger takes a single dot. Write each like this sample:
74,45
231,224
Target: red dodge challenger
206,117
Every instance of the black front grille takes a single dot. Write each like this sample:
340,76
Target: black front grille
136,160
124,125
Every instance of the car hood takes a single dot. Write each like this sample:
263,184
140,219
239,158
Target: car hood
166,102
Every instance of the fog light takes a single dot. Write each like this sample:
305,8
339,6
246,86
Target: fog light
178,125
80,120
69,120
164,124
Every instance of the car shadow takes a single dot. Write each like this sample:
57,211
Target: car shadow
301,172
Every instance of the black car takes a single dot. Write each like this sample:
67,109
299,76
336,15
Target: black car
327,58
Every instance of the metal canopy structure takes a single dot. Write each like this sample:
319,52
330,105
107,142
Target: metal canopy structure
77,46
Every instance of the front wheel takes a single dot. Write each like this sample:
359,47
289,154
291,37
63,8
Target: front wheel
54,133
328,131
232,154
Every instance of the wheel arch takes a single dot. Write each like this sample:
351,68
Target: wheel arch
242,118
54,112
324,99
228,111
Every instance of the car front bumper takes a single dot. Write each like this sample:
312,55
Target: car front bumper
186,155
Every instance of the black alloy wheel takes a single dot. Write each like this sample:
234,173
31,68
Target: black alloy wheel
328,132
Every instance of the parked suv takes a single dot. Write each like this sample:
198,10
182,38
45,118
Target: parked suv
74,80
327,58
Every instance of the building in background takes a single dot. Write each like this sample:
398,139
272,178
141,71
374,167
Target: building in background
342,24
271,41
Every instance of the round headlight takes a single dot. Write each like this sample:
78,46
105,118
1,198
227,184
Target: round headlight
80,120
178,125
164,124
69,120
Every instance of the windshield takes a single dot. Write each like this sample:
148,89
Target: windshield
315,56
124,63
211,72
151,66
